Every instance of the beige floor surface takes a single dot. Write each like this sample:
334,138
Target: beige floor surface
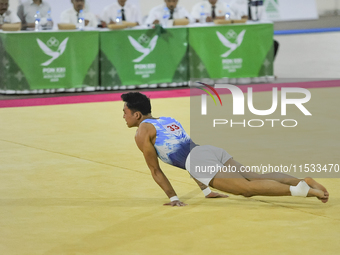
72,181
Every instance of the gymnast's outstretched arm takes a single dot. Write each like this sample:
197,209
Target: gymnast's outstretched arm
144,136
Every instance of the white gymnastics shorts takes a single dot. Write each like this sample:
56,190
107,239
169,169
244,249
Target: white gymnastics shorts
204,162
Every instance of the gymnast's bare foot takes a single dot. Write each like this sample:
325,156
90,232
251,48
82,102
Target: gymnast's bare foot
315,185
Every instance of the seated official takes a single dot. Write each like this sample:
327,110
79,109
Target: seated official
28,9
176,12
213,9
129,12
71,15
6,16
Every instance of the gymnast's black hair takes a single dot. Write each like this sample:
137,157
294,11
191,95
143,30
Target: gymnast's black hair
136,101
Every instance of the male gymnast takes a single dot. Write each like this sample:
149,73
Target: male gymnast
165,138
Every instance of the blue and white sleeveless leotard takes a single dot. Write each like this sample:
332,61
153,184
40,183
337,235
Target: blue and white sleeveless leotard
172,144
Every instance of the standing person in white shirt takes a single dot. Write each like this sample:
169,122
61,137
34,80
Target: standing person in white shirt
176,12
6,16
129,12
71,15
213,9
28,9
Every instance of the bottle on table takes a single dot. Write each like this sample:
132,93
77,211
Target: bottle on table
37,21
81,20
166,16
119,19
49,24
227,15
203,17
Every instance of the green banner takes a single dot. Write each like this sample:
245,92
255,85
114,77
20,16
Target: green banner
52,60
11,77
232,51
49,60
135,57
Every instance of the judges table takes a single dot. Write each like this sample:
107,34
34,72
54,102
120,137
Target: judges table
56,61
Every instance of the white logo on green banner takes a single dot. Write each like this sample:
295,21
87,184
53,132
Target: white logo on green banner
51,73
232,36
145,50
54,54
231,40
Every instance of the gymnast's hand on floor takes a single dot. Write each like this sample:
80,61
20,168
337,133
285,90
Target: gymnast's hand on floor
216,195
176,203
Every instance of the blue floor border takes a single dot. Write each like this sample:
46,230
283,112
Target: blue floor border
307,31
